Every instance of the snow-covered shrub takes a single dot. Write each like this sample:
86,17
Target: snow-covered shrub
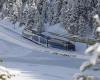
6,74
94,53
79,76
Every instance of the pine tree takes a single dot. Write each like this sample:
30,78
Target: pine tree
73,10
94,59
66,12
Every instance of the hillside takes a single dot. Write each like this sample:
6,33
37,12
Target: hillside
74,15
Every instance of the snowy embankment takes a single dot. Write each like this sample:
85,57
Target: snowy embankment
34,64
18,30
37,65
13,27
6,73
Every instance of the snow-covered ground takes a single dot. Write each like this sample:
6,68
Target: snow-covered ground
18,30
36,62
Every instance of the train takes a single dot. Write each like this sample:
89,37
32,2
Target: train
48,41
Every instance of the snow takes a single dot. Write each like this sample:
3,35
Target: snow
35,65
10,36
47,72
94,52
7,24
6,73
80,76
49,29
35,62
12,72
54,36
92,48
82,67
58,29
98,29
32,61
80,47
96,16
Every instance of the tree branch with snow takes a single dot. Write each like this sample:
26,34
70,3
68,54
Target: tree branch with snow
93,52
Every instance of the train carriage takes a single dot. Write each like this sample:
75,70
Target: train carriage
48,40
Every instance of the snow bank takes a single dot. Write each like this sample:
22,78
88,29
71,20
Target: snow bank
14,27
98,29
80,76
6,73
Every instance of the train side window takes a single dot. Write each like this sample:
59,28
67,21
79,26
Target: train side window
42,40
35,37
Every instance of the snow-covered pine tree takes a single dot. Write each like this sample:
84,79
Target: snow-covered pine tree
67,12
94,59
56,7
49,12
71,12
1,4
